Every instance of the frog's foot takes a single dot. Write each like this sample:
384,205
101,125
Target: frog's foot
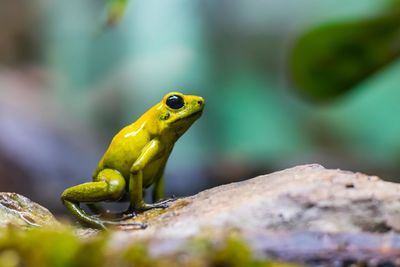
167,201
121,216
163,204
105,224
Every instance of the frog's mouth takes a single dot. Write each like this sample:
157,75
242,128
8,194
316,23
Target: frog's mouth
193,116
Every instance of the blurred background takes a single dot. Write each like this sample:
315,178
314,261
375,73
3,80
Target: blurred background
286,82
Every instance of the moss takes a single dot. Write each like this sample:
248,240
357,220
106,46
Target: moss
61,247
56,247
234,254
138,255
229,252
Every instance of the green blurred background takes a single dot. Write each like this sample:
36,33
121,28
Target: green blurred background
287,82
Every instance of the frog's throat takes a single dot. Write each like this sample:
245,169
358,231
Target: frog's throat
194,116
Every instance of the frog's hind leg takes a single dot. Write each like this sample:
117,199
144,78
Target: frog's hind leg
108,185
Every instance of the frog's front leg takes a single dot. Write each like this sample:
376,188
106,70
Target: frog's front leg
108,185
137,202
158,194
158,189
152,151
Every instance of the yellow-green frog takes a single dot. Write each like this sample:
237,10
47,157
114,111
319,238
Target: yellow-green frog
136,159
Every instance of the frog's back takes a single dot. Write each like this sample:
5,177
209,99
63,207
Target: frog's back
124,149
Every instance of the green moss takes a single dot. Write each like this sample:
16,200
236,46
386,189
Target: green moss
138,255
234,254
61,247
231,252
56,247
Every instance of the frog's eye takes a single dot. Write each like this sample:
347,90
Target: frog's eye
175,102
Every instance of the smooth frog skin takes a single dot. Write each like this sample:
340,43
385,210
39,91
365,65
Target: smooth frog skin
136,159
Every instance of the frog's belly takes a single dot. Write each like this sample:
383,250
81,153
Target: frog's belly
153,171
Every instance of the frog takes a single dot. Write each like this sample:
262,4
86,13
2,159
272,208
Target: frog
135,160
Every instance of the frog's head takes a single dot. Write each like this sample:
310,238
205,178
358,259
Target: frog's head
179,111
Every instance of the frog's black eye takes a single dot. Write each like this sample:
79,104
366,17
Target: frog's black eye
175,102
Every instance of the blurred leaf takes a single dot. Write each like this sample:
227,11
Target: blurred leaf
394,5
115,11
332,59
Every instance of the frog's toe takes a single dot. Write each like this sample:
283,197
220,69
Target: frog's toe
97,224
123,216
136,225
163,204
167,201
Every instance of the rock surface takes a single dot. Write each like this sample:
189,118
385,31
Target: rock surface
306,214
303,198
21,211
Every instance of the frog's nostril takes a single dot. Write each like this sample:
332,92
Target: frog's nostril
200,102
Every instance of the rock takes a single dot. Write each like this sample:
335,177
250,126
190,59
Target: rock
21,211
307,214
303,198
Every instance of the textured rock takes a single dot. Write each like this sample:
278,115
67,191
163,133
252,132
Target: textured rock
306,214
303,198
21,211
